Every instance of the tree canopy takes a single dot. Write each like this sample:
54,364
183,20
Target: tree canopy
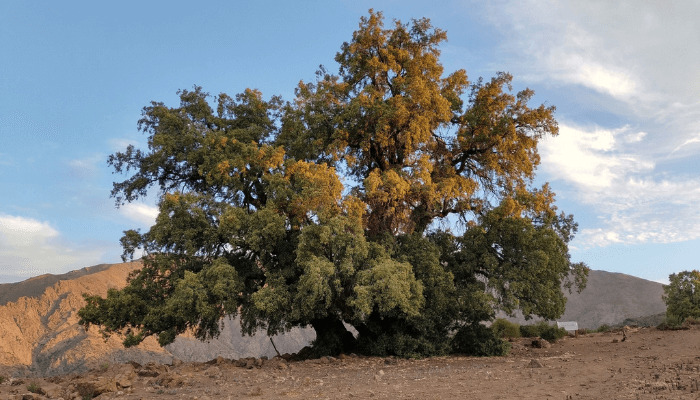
391,196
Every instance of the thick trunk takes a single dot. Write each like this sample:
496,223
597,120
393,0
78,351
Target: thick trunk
331,337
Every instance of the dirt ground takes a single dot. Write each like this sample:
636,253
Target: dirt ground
648,364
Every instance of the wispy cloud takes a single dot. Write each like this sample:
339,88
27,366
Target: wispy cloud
87,167
592,159
634,202
141,213
29,247
640,55
634,61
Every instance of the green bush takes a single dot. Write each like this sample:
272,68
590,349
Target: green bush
604,328
2,379
478,340
542,329
672,323
34,388
505,329
529,331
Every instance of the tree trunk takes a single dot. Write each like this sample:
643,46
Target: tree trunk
331,337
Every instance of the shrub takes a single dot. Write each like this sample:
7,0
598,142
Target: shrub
2,379
604,328
34,388
478,340
505,329
674,323
542,329
529,331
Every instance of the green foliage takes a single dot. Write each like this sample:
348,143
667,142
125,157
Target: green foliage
682,296
34,387
505,329
604,328
544,330
479,340
2,379
331,208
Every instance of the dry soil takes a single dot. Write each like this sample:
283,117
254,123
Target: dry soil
648,364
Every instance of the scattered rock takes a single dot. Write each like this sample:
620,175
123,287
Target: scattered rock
250,363
152,370
52,390
218,360
170,380
213,372
541,343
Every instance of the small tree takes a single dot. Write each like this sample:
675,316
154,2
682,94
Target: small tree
682,296
332,208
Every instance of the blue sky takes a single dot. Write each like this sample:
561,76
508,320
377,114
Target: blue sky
624,76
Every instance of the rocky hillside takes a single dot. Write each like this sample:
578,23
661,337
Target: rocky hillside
39,329
610,299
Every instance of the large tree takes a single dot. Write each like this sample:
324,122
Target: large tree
392,197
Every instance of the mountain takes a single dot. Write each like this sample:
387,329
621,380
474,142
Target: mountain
609,299
39,331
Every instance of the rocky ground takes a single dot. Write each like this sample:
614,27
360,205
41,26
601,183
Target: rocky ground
647,364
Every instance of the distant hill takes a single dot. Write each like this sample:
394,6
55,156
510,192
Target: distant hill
609,299
39,329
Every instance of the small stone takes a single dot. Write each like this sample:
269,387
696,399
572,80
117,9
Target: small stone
535,364
213,372
250,363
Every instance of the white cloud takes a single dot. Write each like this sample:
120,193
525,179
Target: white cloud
590,158
141,213
634,63
29,247
634,203
641,56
